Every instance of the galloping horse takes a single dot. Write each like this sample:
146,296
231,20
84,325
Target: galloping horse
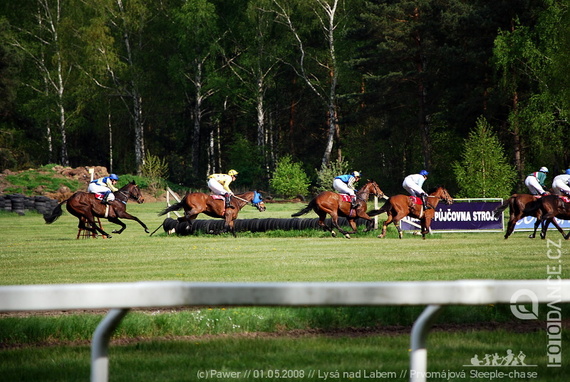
331,203
399,206
520,205
85,206
550,207
196,203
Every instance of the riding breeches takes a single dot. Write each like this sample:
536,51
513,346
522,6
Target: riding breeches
342,187
94,188
533,186
413,188
560,187
216,187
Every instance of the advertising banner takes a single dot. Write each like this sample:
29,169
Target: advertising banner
461,216
527,224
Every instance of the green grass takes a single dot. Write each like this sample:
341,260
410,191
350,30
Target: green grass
36,253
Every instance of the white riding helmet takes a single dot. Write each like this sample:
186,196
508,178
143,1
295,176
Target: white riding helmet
355,173
543,169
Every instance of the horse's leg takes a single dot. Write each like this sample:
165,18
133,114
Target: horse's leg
95,228
118,222
546,223
425,223
322,217
126,215
511,225
334,220
385,225
536,224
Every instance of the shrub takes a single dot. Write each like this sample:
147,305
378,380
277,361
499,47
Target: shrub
326,174
289,179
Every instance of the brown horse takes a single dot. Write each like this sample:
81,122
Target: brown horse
551,207
399,206
196,203
85,206
331,203
520,205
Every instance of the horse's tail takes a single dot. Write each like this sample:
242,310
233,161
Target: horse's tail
305,210
385,208
56,213
497,211
174,207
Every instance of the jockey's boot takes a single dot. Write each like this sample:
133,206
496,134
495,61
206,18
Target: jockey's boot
105,199
424,202
227,198
354,203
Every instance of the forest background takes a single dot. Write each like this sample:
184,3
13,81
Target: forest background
387,87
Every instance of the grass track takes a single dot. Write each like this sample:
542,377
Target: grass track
35,253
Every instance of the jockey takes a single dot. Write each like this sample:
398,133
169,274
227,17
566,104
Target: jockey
344,184
219,184
413,184
105,186
535,181
561,184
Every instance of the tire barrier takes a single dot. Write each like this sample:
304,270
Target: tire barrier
19,203
181,227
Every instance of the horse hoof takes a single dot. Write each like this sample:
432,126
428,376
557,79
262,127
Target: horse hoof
333,233
347,236
147,231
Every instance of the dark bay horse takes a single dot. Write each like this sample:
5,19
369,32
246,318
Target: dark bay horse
85,206
399,206
331,203
196,203
520,206
551,207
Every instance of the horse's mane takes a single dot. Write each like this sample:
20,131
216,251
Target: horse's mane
434,189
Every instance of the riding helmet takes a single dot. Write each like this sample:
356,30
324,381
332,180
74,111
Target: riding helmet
424,173
543,169
232,172
113,177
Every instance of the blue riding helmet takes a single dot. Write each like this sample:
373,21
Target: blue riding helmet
424,173
113,177
568,171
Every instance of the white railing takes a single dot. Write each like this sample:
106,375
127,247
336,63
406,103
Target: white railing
120,297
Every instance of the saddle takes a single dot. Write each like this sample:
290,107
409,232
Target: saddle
99,196
345,198
564,198
218,197
416,200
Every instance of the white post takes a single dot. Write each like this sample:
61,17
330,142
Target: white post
100,344
418,355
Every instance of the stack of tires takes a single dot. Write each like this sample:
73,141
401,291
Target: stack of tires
181,227
19,203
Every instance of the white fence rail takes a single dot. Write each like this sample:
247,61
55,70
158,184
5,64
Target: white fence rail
120,297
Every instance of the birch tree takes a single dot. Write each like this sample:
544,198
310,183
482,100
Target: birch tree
45,48
323,84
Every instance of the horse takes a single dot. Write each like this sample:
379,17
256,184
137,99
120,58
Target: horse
331,203
520,205
85,206
196,203
399,206
551,207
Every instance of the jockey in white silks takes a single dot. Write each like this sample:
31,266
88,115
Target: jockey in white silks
105,186
535,181
560,184
344,184
413,184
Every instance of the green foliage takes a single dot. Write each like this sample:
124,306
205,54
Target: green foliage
245,157
155,170
289,179
484,170
326,174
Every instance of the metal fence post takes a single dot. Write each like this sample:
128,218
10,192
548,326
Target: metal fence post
100,344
